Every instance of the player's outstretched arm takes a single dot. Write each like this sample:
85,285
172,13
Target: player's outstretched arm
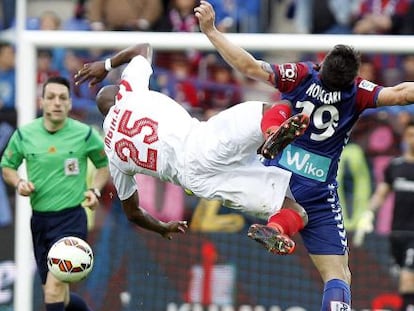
234,55
400,94
140,217
97,71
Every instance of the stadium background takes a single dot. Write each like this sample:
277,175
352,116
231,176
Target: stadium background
215,264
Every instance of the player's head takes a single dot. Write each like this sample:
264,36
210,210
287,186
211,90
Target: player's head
105,98
7,55
340,67
56,101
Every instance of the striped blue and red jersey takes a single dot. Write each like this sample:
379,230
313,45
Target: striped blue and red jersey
314,157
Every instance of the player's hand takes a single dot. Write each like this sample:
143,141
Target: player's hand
205,15
174,227
93,72
91,200
364,226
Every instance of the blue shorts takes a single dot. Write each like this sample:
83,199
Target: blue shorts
325,233
48,227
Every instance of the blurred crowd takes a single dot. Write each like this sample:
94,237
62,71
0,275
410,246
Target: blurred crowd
201,81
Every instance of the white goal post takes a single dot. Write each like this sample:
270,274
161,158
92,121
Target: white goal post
28,41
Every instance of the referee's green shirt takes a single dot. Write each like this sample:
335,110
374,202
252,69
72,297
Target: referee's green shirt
56,162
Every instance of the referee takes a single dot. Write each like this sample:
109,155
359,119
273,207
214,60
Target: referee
56,150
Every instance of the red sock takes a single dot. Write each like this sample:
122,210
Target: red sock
287,221
274,117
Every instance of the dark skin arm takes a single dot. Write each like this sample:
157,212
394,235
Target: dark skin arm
140,217
95,72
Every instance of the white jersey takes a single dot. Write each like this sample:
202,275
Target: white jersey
148,133
145,131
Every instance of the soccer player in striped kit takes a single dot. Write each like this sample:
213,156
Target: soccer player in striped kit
333,97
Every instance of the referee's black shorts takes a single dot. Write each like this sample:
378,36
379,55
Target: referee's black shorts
48,227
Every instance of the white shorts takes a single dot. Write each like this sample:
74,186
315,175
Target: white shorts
221,163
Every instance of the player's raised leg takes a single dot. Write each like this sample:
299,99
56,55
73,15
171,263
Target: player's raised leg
277,235
279,137
273,240
280,128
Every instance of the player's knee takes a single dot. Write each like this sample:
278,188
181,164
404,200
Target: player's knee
406,283
54,294
54,290
303,215
289,203
285,102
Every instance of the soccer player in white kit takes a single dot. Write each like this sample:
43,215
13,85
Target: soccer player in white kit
147,132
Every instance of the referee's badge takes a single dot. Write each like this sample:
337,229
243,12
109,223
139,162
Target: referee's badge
71,167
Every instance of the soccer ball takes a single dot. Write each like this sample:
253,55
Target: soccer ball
70,259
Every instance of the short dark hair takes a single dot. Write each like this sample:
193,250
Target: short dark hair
5,44
45,52
58,80
340,67
409,124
